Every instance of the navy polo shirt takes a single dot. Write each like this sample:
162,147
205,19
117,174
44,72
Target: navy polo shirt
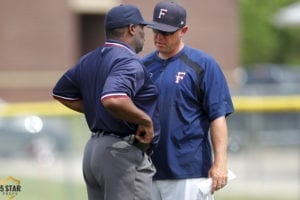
193,92
112,70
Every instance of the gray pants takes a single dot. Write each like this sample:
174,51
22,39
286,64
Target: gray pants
116,170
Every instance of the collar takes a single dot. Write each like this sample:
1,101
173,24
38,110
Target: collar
117,43
171,58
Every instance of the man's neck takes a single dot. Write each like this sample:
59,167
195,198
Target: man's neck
166,56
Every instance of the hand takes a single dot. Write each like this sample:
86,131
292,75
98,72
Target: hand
145,134
219,177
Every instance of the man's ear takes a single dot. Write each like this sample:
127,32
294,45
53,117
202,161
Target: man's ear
131,29
184,30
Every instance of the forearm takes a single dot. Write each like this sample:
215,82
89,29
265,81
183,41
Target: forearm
124,109
219,138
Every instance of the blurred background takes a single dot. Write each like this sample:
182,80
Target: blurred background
256,43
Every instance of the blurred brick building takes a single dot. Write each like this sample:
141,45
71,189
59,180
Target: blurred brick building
40,39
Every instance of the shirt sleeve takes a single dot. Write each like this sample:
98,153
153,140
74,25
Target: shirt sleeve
217,99
67,86
126,77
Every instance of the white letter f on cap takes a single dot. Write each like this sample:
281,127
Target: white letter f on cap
162,12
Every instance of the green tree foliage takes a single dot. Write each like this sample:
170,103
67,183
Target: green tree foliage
262,42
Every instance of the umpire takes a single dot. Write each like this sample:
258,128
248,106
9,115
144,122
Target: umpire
113,90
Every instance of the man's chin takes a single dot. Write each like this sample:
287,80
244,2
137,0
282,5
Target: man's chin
138,50
159,47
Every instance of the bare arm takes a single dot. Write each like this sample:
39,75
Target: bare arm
76,105
123,108
219,138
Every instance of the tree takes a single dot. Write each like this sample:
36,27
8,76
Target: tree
262,42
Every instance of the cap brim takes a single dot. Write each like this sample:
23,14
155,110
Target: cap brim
163,27
146,23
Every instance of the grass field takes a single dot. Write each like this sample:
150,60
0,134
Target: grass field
36,189
263,173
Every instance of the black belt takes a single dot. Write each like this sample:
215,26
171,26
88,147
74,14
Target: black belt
130,139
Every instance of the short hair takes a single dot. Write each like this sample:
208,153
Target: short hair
115,33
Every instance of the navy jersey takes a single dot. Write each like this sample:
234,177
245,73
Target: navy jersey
112,70
193,92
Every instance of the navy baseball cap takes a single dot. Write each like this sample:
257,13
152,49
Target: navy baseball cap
168,17
123,15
